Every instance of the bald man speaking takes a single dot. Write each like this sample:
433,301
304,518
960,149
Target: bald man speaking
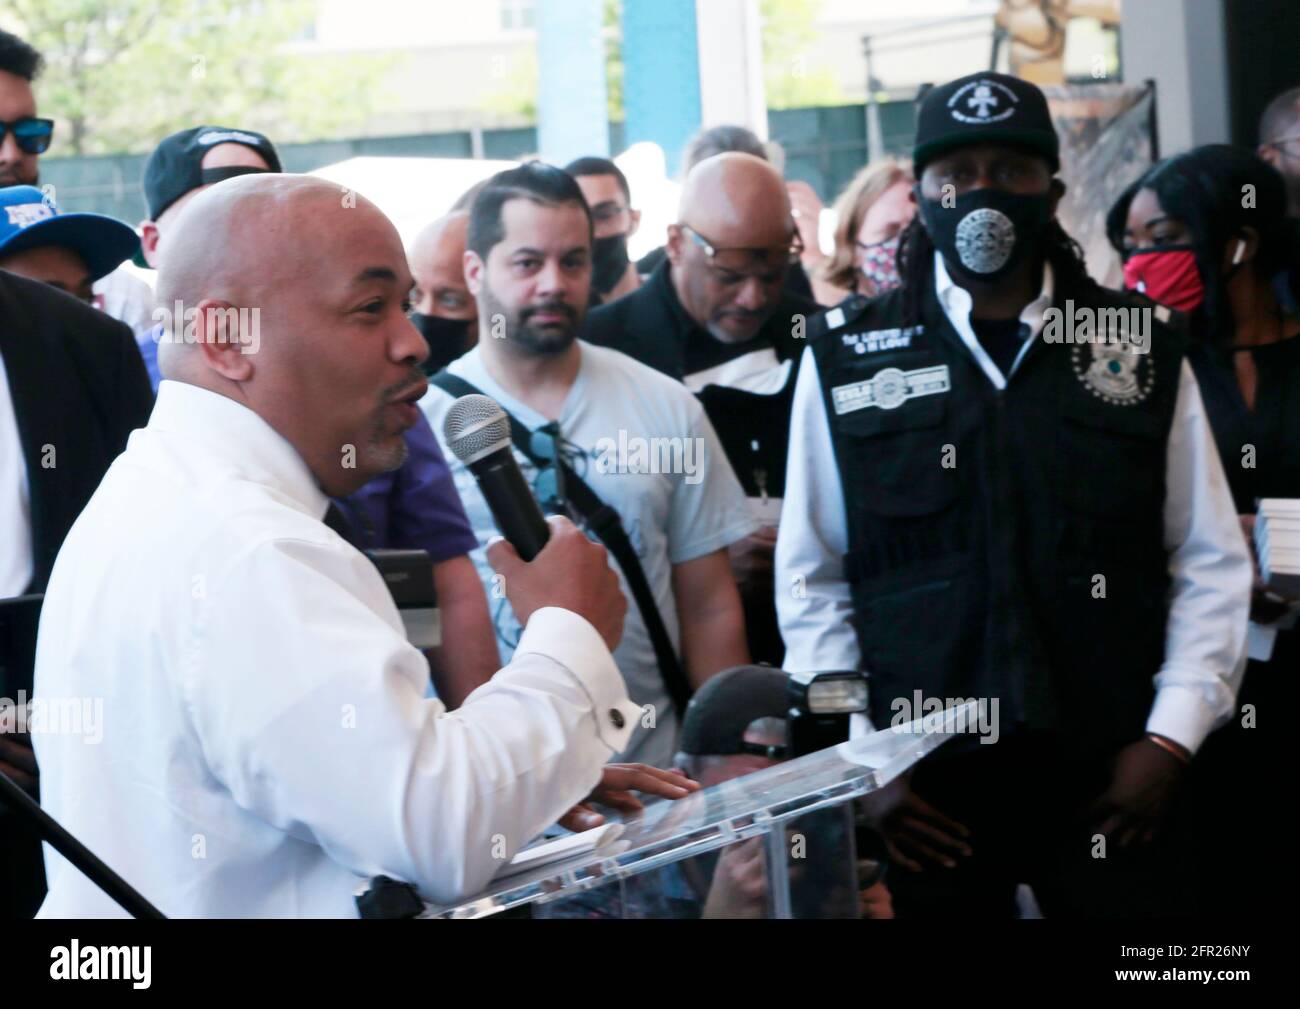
715,314
256,739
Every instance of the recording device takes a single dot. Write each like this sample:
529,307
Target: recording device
820,707
409,577
477,431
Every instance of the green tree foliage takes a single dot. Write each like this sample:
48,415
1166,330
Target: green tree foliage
120,74
791,79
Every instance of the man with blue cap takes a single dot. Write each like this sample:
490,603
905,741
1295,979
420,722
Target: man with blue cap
67,251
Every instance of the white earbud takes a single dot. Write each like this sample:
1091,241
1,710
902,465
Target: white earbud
1241,251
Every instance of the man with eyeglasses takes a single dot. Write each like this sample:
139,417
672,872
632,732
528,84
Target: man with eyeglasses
639,440
717,316
613,222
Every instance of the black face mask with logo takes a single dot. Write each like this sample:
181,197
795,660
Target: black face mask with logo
987,232
448,339
608,262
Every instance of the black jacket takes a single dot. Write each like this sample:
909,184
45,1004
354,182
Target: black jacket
79,388
651,325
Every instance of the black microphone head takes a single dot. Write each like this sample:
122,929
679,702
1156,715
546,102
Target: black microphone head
475,427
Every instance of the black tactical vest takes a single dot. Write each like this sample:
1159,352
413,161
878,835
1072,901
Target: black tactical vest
1004,544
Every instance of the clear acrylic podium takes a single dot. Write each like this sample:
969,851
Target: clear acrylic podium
778,843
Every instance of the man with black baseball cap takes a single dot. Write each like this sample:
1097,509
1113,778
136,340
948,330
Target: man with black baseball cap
180,167
1011,494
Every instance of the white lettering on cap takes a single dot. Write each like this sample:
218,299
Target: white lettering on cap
23,215
227,136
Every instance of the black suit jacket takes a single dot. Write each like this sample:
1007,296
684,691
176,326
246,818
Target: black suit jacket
79,388
651,325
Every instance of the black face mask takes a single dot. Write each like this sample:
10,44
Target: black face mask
987,232
447,339
608,262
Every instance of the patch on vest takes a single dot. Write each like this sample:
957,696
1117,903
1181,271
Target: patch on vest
890,388
1113,373
879,340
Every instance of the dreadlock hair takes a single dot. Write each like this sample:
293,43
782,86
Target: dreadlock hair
915,261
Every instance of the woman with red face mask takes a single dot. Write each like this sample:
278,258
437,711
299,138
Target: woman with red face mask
1206,233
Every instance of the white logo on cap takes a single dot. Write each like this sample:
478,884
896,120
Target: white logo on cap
983,97
23,215
227,136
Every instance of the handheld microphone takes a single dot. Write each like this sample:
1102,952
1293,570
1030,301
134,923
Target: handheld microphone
477,431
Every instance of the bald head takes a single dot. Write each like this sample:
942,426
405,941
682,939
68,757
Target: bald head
437,260
240,239
739,205
291,298
443,241
737,201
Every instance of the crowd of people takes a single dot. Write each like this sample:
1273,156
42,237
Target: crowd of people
867,457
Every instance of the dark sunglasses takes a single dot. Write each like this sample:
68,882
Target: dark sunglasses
32,135
549,445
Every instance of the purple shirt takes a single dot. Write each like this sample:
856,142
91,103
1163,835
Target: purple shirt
415,507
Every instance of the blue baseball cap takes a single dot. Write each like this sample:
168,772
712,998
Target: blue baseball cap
30,220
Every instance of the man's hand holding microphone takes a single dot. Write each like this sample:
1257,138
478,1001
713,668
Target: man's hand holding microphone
550,563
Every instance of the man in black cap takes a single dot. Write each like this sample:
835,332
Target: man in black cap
1008,492
179,168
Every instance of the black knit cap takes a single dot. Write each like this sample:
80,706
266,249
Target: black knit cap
984,108
722,709
176,165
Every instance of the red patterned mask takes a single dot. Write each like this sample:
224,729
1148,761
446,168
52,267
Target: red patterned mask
1168,275
880,264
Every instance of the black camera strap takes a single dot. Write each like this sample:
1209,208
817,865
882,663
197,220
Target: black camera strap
604,521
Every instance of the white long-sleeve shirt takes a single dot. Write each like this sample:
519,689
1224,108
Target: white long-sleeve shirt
1209,563
255,739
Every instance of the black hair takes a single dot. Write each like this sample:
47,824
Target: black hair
534,180
1282,113
1205,189
19,58
721,140
600,166
915,261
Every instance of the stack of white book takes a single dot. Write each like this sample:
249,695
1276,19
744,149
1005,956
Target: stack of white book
1277,542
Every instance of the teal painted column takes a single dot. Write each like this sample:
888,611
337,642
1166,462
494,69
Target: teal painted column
661,74
572,107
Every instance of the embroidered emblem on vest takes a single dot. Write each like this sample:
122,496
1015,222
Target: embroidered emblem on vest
890,388
1114,374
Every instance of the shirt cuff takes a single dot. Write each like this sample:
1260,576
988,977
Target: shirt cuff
564,637
1181,714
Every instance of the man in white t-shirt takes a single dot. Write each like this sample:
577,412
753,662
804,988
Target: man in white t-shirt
640,440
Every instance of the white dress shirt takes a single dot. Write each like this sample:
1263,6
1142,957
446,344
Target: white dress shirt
16,565
1209,563
265,741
